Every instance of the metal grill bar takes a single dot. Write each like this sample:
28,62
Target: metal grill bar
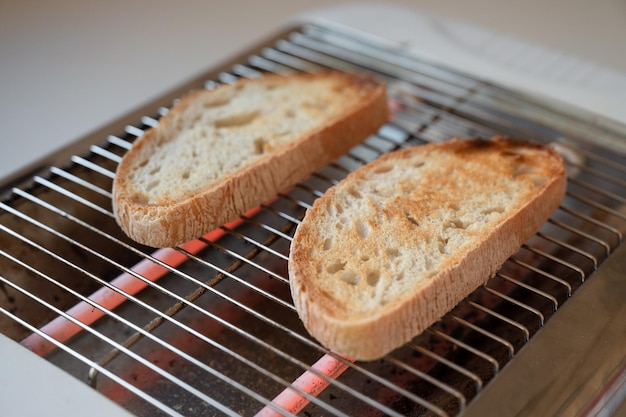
109,341
486,310
553,258
571,248
508,345
223,312
180,300
139,330
526,307
106,372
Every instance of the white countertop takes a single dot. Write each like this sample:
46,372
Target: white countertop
69,67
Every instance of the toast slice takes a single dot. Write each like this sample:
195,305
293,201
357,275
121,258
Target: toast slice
218,153
398,243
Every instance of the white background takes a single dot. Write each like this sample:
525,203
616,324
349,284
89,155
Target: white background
68,67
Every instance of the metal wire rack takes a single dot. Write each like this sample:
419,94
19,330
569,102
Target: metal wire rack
209,327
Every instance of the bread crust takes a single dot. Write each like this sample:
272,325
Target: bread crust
337,322
170,223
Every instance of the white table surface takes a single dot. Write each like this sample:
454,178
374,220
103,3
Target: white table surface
68,67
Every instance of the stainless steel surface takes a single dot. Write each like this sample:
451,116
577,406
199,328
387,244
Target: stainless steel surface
209,327
573,370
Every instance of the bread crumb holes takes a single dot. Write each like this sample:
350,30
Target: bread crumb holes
362,230
372,278
335,267
392,253
259,146
351,277
152,185
354,192
383,169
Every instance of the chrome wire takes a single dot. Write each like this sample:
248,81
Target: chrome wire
434,105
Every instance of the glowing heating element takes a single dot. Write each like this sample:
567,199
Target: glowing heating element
62,329
309,382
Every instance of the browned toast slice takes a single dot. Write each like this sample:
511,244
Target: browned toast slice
399,242
218,153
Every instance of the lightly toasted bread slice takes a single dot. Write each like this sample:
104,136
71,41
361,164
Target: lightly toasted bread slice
218,153
399,242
